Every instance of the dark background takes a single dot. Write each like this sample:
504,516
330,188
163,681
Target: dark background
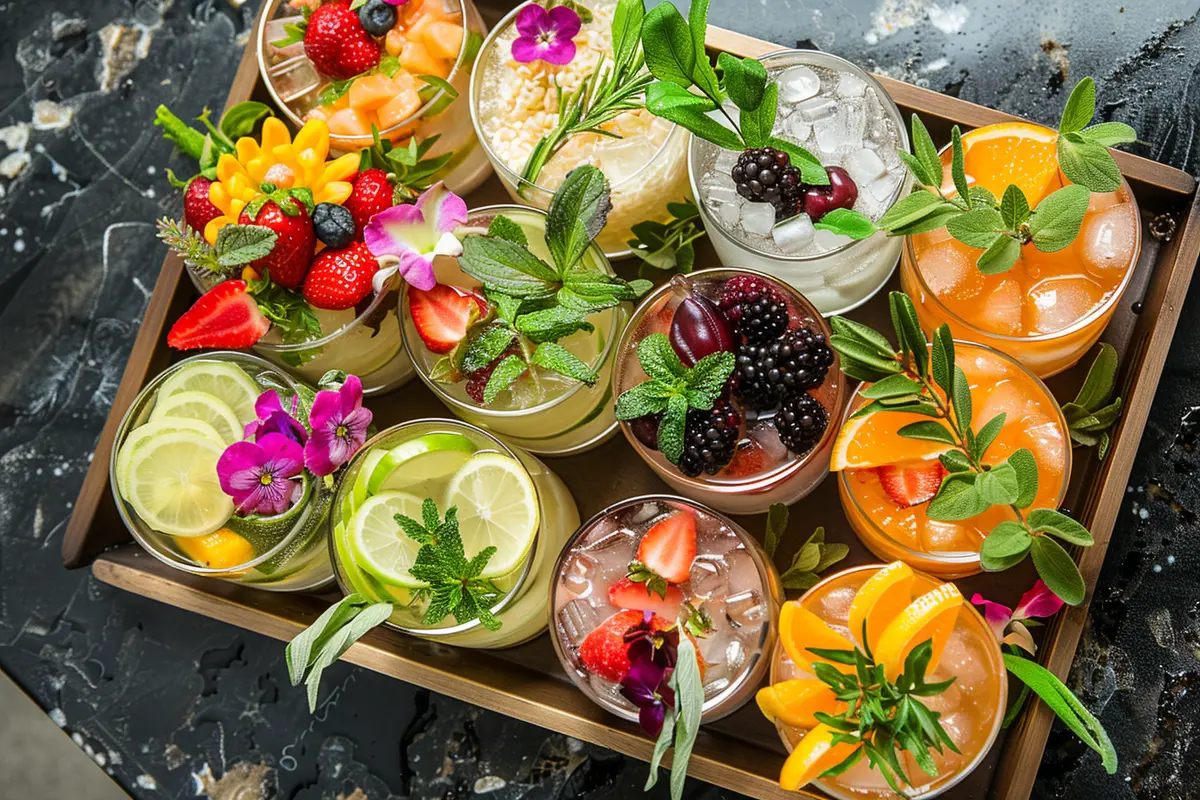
176,704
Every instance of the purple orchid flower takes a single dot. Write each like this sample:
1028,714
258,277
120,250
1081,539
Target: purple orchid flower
272,418
339,427
414,234
546,35
260,475
1009,625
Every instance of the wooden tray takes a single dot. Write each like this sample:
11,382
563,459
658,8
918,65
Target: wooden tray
742,752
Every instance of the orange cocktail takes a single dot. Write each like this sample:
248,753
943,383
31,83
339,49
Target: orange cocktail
886,480
899,609
1050,307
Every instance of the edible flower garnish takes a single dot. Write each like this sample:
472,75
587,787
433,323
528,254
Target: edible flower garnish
415,234
339,427
546,35
272,418
260,476
679,696
1009,625
652,654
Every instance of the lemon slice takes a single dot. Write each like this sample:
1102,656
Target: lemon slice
230,384
497,505
194,404
138,436
172,484
378,544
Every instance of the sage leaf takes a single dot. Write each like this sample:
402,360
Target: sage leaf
690,117
1101,379
664,97
927,431
955,461
689,699
304,648
757,124
961,398
242,244
1014,207
977,228
811,170
957,499
926,154
892,386
665,737
957,170
1109,134
847,327
1080,107
1056,567
999,485
916,206
668,45
1088,164
942,359
1005,546
1059,525
1057,219
777,519
987,434
1025,465
908,329
1000,256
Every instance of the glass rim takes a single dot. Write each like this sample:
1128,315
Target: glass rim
501,166
961,558
483,411
343,486
123,431
712,223
910,254
330,338
268,13
755,483
985,632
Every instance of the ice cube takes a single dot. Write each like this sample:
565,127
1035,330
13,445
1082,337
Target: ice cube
798,128
729,213
726,161
853,122
830,136
1107,241
1002,308
834,607
828,240
865,166
949,270
884,189
758,218
607,690
577,619
798,84
735,654
948,537
793,235
746,609
709,576
578,574
712,648
620,159
851,85
767,437
817,108
1057,303
722,193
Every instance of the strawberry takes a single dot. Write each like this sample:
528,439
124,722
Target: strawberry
340,279
443,314
293,252
337,44
911,485
604,651
198,210
371,193
225,316
666,550
638,597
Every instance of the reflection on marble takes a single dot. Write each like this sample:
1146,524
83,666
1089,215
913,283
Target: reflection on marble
171,704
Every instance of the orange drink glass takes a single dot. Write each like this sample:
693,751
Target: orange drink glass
971,709
869,451
1050,307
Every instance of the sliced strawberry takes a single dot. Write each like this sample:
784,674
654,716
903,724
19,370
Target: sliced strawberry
667,549
442,315
638,597
225,316
604,651
912,484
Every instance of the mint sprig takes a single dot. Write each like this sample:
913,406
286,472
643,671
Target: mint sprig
409,170
236,246
1094,410
922,377
668,246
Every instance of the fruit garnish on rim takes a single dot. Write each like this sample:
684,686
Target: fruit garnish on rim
915,433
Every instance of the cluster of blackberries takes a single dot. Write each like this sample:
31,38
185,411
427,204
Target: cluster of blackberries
767,175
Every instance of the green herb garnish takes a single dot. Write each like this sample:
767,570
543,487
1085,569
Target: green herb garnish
331,635
409,171
924,380
292,317
682,721
236,246
668,246
1094,410
813,557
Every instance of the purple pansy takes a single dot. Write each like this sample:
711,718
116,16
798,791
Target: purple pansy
339,427
260,476
272,418
652,655
1009,625
414,234
545,35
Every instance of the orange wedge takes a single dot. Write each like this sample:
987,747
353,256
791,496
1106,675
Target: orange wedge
880,600
795,702
800,629
1018,153
873,441
812,756
221,549
930,616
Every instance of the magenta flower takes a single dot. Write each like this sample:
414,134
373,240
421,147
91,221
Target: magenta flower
652,655
396,2
260,476
545,35
410,236
1009,625
339,427
271,418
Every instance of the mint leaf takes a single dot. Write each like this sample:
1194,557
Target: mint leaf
658,358
847,222
1056,567
242,244
645,398
503,376
552,324
1000,256
555,357
977,228
758,124
486,347
573,301
745,80
506,266
1057,219
577,212
1080,107
504,228
672,427
243,118
1059,525
708,378
1004,547
1088,164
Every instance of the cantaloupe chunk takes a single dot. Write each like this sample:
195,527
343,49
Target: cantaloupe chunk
443,39
399,108
349,122
372,91
394,42
417,60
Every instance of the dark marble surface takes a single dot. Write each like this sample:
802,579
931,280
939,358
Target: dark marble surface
174,705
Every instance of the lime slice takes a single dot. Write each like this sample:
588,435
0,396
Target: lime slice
401,455
230,384
422,475
138,436
172,484
193,404
359,493
378,544
497,505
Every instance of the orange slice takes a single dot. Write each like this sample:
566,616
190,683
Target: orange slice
800,629
795,702
1018,153
873,441
812,756
880,600
221,549
930,616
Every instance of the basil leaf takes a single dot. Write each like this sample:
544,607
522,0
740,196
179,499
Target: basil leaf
745,80
847,222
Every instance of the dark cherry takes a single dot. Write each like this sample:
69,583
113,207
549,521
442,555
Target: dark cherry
699,329
841,192
646,430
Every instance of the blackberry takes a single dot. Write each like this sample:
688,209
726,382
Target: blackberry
766,175
768,373
739,293
801,423
710,439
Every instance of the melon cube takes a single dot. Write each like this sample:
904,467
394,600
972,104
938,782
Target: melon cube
349,122
417,60
372,91
394,42
443,39
399,108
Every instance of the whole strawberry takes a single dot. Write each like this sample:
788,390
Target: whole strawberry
340,279
337,44
293,252
371,193
198,210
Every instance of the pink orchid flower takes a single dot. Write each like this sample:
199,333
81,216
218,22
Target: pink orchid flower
261,476
414,234
1009,625
546,35
339,427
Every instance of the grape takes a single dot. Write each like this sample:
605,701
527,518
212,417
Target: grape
842,192
699,329
646,430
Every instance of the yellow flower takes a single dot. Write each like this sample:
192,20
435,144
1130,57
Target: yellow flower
280,161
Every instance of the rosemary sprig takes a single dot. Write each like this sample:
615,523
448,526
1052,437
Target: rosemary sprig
922,378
